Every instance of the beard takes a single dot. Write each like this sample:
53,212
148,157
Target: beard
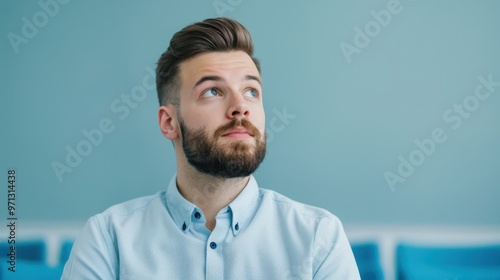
235,159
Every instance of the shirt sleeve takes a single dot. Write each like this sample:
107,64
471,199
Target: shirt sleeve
92,255
333,257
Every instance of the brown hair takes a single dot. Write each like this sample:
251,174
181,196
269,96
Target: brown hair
211,35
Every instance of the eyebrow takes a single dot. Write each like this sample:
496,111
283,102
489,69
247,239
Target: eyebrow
255,78
218,79
207,78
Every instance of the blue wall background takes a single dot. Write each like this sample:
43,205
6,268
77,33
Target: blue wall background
350,116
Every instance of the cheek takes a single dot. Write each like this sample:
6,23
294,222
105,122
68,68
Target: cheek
195,118
260,120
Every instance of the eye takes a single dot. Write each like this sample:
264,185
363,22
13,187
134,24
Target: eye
210,92
251,93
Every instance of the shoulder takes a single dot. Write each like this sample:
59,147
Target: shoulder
288,206
132,209
317,225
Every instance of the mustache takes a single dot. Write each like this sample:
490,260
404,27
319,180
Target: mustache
251,129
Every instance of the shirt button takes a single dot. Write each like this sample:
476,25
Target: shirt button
213,245
236,227
184,226
197,215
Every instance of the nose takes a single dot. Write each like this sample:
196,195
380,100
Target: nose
238,107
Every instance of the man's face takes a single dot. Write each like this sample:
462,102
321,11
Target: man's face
221,116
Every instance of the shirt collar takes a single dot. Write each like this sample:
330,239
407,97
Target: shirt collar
179,208
242,208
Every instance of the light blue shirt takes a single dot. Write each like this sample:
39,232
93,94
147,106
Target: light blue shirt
260,235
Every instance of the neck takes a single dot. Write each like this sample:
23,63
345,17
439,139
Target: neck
209,193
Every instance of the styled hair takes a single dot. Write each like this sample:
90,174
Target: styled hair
211,35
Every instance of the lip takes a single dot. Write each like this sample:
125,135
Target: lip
238,132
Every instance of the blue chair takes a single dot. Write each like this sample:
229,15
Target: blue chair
367,259
32,250
65,251
464,263
30,270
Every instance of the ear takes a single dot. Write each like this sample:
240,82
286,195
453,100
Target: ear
168,121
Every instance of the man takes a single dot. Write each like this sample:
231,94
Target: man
213,221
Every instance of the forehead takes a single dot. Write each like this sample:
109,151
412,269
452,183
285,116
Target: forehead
224,64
